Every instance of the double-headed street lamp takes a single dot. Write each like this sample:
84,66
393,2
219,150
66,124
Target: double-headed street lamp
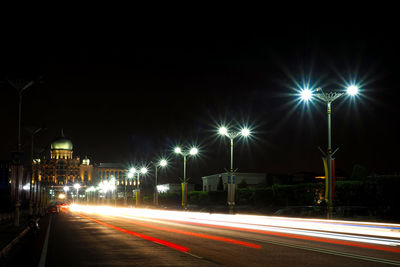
328,98
143,170
245,132
161,163
192,152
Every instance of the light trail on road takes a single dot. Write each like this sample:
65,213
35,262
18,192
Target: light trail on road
384,236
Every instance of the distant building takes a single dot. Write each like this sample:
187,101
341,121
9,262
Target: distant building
105,171
62,168
211,182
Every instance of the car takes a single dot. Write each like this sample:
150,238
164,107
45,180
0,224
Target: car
53,209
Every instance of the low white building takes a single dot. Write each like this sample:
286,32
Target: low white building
210,182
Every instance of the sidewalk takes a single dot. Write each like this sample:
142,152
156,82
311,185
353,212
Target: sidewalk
8,232
11,235
27,250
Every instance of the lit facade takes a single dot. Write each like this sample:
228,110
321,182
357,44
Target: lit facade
62,168
105,171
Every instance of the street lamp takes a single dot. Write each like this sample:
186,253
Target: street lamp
160,164
192,152
245,132
113,188
33,176
328,98
77,186
130,176
66,189
20,86
90,190
143,170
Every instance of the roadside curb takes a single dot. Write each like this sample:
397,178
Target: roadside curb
6,249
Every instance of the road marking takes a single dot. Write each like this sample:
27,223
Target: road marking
149,238
43,256
332,252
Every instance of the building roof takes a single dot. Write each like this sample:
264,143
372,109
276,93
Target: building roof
61,143
111,165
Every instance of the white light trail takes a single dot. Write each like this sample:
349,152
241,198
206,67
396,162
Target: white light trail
365,232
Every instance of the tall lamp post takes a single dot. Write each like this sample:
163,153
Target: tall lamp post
32,175
20,86
328,98
143,170
245,132
192,152
66,189
77,186
113,189
160,164
130,176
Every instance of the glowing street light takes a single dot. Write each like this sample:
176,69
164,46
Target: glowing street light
192,152
77,186
90,190
130,176
161,163
142,170
328,98
306,94
245,132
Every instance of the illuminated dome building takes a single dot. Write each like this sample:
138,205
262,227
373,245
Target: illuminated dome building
62,168
61,148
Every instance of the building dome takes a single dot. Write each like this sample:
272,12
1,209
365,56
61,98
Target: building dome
61,143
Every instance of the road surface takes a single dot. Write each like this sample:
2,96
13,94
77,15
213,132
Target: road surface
85,236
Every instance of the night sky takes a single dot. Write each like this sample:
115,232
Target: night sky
130,97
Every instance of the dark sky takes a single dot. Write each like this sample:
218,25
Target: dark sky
131,96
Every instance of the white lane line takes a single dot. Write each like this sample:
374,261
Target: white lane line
43,256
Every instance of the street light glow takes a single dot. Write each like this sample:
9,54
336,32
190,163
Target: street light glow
66,188
193,151
223,131
26,187
132,170
178,150
245,132
352,90
163,163
77,186
306,94
143,170
130,175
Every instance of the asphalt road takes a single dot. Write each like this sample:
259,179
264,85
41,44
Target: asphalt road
88,239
